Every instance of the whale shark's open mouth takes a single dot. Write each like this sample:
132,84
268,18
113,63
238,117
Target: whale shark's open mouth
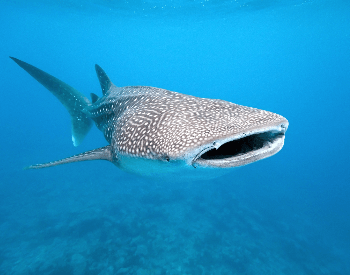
243,149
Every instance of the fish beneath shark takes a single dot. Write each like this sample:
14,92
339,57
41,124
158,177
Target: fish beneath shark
154,132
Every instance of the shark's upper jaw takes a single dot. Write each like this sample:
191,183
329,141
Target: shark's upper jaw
242,149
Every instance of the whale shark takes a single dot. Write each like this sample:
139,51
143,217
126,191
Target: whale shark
160,133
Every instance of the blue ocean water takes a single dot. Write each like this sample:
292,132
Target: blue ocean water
288,214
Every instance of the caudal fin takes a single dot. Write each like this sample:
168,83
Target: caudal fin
72,99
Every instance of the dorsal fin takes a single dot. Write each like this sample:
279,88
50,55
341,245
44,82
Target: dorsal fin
103,153
105,82
94,97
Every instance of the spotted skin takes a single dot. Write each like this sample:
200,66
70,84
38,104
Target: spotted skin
156,123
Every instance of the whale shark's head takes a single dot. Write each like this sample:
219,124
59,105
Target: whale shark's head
200,132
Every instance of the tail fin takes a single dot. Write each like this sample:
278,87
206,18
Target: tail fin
71,98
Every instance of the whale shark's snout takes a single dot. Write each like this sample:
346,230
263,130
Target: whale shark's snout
243,148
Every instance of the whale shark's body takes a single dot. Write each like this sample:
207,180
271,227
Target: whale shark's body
156,132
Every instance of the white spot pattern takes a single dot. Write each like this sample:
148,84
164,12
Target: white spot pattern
160,124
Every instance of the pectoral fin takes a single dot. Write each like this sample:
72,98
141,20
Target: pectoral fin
103,153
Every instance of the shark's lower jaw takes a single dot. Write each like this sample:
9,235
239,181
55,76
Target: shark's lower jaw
243,149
